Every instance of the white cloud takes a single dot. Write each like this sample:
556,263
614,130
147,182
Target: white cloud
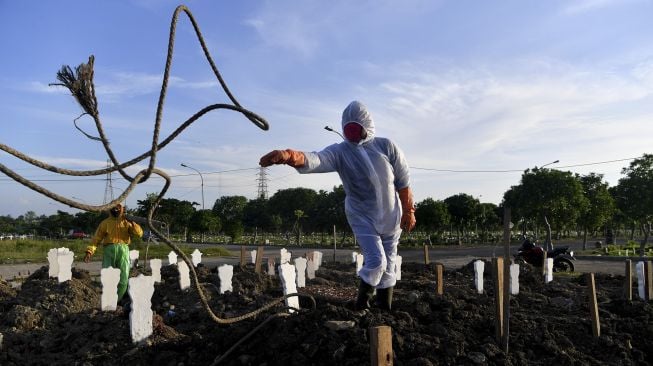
583,6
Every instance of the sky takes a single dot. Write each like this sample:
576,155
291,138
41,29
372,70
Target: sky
473,92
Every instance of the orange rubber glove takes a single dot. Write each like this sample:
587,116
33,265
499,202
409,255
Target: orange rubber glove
408,208
291,157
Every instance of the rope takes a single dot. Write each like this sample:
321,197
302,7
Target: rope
80,83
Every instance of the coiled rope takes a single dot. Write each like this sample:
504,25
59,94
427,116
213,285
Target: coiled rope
80,83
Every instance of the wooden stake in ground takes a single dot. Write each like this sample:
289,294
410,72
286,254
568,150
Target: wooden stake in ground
381,346
426,254
544,266
594,307
497,274
507,279
242,256
628,281
259,259
439,278
648,280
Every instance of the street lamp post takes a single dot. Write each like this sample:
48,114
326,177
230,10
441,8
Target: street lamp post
553,162
201,178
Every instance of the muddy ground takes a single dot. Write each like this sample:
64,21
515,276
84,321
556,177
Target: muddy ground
47,323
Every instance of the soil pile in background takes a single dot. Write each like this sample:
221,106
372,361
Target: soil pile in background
48,323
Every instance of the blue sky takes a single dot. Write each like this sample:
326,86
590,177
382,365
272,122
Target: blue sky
458,85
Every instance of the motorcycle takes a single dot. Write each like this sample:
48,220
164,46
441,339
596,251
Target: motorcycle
534,255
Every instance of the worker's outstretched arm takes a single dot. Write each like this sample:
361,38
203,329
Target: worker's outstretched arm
408,209
291,157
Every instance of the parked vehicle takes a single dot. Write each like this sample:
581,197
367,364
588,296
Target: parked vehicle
534,255
77,234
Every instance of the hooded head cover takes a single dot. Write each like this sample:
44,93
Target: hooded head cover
357,112
117,210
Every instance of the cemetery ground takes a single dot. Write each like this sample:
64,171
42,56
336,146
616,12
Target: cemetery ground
49,323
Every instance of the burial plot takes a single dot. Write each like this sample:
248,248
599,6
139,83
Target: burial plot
155,266
287,274
109,277
196,257
253,256
639,269
141,289
353,256
226,274
300,265
184,277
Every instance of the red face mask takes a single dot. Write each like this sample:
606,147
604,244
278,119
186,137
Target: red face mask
354,132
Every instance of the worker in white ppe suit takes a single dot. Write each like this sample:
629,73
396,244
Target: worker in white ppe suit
378,203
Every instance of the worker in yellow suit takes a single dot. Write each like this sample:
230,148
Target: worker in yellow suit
114,234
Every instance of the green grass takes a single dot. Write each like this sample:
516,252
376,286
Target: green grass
630,249
36,251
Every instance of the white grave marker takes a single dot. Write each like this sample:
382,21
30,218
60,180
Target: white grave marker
271,266
155,265
549,270
287,274
639,268
172,258
285,256
133,257
353,256
53,268
514,279
184,278
300,264
65,262
226,273
60,262
479,267
253,255
196,257
310,269
398,262
141,289
109,277
317,257
359,262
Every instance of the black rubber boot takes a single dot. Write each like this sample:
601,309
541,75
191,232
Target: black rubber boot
384,298
365,293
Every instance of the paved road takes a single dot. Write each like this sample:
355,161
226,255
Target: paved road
451,257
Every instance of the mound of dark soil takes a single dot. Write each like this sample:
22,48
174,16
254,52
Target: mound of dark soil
48,323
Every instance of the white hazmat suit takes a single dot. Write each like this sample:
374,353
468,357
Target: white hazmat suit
378,200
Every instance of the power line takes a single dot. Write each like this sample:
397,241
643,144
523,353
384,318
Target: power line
518,170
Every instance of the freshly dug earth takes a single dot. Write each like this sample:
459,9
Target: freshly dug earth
47,323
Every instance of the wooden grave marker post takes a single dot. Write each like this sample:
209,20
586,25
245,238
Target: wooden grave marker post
594,307
648,280
259,259
439,278
381,346
506,278
426,254
628,281
497,276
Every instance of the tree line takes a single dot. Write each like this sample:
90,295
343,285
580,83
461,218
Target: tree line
545,201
